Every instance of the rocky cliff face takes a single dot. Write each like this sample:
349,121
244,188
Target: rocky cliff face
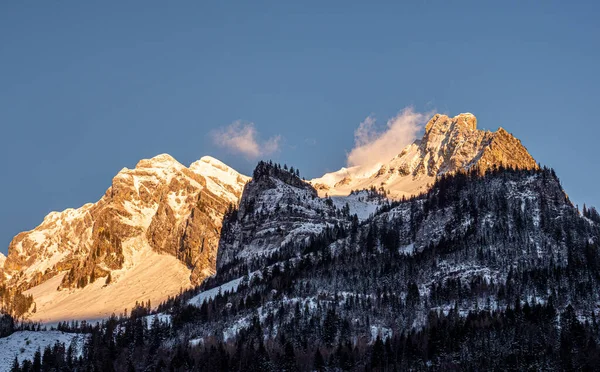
448,145
2,260
160,205
278,214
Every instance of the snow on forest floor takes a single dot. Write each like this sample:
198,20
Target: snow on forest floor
230,287
359,203
24,344
161,317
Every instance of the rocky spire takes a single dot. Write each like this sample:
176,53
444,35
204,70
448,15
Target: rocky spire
443,124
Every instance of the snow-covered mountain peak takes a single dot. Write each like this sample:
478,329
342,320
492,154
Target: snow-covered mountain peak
221,179
449,144
161,168
159,208
209,166
213,162
159,161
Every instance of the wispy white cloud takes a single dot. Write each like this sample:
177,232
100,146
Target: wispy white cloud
372,146
242,137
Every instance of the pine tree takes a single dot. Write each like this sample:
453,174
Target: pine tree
378,353
37,361
15,366
319,363
289,359
47,358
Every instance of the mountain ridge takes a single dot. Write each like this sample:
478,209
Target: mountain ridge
482,252
160,207
492,267
448,145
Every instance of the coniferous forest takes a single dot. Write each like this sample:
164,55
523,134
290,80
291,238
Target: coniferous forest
494,271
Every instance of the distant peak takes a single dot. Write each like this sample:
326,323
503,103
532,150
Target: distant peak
209,159
208,165
214,162
163,158
159,161
449,144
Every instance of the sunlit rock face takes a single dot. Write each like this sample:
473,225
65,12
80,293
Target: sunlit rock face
159,206
448,145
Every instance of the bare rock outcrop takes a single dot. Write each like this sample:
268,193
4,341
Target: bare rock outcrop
159,205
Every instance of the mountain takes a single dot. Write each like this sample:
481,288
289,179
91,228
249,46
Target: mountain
155,231
255,232
448,145
489,267
492,230
495,270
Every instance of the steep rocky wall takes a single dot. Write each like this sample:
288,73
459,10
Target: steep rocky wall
159,204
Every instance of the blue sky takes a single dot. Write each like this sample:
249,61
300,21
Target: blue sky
87,89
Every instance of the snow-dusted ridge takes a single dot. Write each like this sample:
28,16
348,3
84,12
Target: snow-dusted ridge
162,207
448,145
154,232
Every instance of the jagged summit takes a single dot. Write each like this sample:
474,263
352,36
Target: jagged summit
448,145
159,161
444,123
264,171
157,225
